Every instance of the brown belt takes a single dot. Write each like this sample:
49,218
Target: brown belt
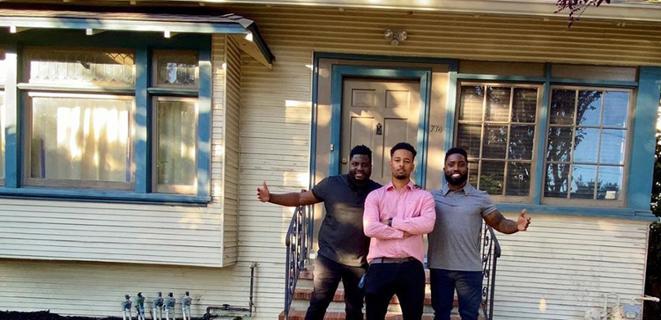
391,260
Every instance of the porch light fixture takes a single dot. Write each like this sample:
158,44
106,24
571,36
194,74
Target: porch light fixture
395,36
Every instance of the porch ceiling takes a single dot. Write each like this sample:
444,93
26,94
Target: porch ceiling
92,22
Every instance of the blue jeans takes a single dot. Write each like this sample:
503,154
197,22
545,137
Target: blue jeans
327,276
469,290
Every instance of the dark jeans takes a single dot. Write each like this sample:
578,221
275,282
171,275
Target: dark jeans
327,276
406,280
469,290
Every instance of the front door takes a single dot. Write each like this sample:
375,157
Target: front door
379,114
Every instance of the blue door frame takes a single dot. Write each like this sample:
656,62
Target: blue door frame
339,72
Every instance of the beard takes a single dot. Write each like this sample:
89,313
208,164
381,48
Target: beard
456,181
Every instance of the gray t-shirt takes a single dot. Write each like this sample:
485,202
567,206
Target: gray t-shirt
455,242
341,236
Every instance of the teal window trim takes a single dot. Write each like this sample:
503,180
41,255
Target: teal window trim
538,187
142,191
338,72
204,125
620,213
450,111
641,164
142,119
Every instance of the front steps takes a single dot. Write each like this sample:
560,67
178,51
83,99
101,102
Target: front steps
335,310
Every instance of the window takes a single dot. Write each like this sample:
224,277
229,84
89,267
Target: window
175,125
586,143
75,138
497,126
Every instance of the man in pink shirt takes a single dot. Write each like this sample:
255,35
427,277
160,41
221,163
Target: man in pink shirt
396,217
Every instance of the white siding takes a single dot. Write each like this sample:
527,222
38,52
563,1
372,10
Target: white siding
563,265
132,233
225,136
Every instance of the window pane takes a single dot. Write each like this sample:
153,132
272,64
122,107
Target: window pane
498,104
585,145
518,179
583,182
472,98
473,172
556,184
176,68
562,106
495,142
524,108
610,183
82,139
79,67
616,106
588,111
468,137
559,144
491,177
176,123
612,146
521,142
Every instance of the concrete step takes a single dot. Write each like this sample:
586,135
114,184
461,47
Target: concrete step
306,293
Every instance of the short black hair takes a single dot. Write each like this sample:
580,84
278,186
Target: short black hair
405,146
361,149
456,150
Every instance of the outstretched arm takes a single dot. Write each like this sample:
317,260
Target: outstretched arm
291,199
497,221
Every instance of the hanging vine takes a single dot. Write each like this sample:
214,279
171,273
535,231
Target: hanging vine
576,7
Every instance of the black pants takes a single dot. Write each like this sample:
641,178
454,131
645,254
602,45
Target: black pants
406,280
327,276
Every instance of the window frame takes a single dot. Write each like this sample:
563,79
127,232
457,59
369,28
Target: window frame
483,123
26,173
176,189
142,44
628,129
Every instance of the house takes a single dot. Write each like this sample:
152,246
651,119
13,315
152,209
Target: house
136,132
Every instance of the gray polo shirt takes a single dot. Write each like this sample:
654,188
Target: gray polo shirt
455,242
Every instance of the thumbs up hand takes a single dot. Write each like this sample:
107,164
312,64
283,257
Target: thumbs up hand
263,193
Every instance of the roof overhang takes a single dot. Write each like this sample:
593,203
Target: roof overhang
630,10
91,22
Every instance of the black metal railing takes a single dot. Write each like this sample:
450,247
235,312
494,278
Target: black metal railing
490,255
298,242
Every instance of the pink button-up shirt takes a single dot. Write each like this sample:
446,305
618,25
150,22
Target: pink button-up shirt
413,215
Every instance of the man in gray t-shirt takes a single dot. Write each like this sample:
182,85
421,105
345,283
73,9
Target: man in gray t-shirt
454,245
342,244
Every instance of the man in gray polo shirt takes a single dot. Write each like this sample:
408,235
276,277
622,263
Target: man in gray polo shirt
454,245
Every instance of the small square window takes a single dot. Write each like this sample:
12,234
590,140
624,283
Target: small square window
175,69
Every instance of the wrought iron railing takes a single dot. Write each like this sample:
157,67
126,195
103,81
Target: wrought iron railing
298,242
490,255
